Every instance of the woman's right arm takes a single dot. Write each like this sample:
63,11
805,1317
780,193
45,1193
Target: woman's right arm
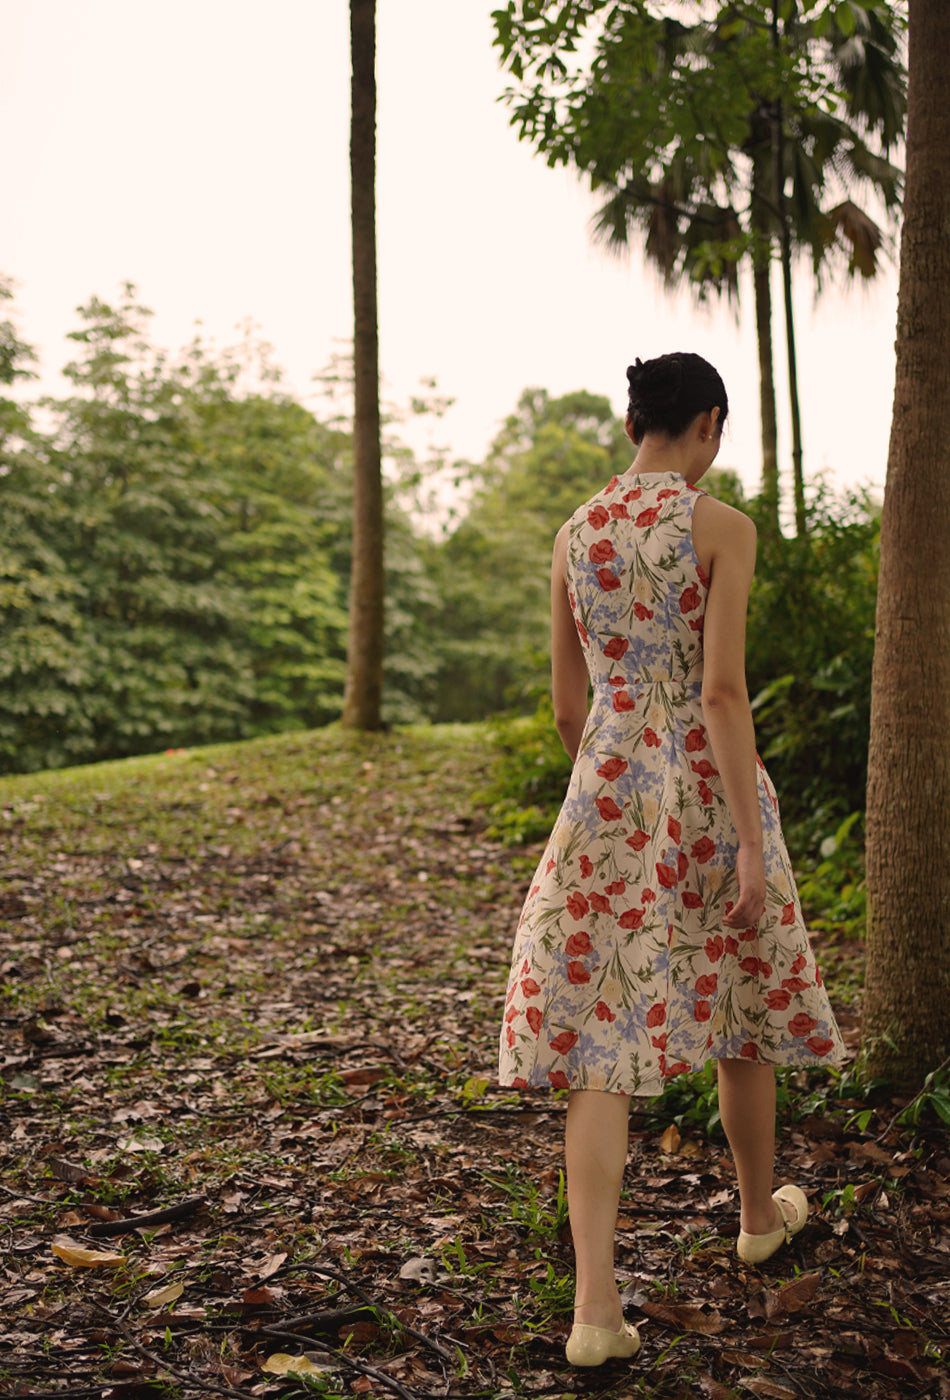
569,682
729,539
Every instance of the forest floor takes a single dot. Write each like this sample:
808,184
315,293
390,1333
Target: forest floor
251,1000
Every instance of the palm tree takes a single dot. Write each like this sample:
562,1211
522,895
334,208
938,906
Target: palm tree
907,1009
362,703
702,216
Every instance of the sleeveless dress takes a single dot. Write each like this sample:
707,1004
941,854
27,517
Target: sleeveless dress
622,973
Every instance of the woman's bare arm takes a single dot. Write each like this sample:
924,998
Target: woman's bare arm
569,682
727,539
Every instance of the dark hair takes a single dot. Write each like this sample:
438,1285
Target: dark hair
667,393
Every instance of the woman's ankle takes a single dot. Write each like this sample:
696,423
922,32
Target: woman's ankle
606,1312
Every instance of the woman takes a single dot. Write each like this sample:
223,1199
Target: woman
663,927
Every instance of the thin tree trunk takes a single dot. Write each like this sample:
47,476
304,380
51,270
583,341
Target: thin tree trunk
761,281
785,245
362,701
907,1010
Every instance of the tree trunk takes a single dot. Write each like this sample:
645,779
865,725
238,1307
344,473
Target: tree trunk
907,1011
364,662
761,281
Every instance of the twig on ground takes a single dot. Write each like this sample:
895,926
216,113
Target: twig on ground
344,1360
184,1376
152,1217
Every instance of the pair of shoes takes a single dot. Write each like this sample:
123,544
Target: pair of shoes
592,1346
793,1204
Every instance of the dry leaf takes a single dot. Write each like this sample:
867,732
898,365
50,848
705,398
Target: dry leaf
670,1140
78,1258
283,1364
685,1317
795,1295
160,1296
761,1385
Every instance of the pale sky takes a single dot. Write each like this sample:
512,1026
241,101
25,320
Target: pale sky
199,148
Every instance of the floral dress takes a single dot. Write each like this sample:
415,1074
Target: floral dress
622,973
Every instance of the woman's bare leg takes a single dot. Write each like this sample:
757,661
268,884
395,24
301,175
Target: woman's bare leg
596,1152
747,1110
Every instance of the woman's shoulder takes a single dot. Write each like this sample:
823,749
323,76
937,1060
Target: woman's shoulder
724,520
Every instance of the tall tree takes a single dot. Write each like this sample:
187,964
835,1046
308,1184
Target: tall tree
907,1011
364,664
694,130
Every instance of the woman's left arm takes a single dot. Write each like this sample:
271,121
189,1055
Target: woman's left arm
569,680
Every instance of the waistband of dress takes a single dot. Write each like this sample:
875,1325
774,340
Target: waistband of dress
649,676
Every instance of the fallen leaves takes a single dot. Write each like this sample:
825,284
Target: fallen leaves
77,1257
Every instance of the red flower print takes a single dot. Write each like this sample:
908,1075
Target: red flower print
600,904
750,965
582,633
777,1000
691,899
597,517
577,974
608,809
819,1044
634,495
714,948
705,793
577,905
603,1012
647,896
534,1019
731,946
801,1025
601,552
529,987
666,875
641,612
550,866
638,840
674,828
702,1011
520,1083
607,580
689,598
765,969
664,495
647,517
794,984
707,984
682,865
659,1041
578,945
703,850
611,768
559,1079
563,1042
617,648
631,918
818,981
587,867
616,887
617,680
510,1037
798,964
511,1013
748,935
614,481
749,1051
670,1072
651,739
702,766
703,576
695,741
619,512
698,623
788,914
657,1014
623,701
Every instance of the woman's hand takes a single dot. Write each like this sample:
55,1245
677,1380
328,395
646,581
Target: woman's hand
750,906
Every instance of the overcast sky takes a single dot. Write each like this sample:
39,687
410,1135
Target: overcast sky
199,148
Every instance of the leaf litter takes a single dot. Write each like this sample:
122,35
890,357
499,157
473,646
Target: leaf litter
251,998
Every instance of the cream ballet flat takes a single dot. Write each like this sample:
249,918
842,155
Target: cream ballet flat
592,1346
793,1204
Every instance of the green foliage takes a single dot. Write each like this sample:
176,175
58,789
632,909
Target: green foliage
530,775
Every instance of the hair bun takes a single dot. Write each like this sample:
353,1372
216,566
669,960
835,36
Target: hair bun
656,385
